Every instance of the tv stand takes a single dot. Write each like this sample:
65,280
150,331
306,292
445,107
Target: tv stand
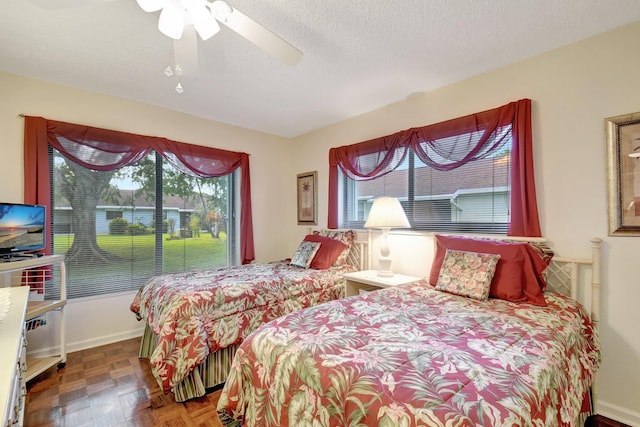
43,268
18,257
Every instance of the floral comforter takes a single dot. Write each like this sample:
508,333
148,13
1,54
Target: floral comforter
199,312
411,355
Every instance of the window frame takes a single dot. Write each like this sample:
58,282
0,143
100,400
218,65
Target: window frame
111,214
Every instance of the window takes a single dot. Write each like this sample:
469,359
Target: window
473,197
470,174
135,174
126,225
113,215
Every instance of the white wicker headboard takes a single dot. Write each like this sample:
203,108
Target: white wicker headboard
565,275
359,255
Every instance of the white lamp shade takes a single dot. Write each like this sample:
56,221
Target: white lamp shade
387,212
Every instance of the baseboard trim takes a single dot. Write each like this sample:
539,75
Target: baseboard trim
618,413
85,344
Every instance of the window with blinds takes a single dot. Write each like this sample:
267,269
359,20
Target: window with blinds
119,228
472,198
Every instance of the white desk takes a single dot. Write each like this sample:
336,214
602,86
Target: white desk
13,357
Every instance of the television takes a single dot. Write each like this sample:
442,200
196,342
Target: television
22,228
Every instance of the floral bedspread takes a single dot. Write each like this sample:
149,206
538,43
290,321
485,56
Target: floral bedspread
411,355
199,312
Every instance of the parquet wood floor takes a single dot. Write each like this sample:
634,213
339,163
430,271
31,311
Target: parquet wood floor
109,386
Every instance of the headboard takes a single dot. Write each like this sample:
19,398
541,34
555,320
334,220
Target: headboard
359,254
565,275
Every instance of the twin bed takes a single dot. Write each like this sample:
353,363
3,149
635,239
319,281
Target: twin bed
434,352
194,321
495,336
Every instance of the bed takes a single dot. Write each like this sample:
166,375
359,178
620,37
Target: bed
195,320
432,354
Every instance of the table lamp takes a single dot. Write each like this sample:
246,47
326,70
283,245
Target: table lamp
386,213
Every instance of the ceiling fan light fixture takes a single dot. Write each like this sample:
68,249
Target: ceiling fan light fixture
220,10
180,16
151,5
171,21
204,22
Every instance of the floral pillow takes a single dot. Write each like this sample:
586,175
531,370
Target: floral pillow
467,274
304,254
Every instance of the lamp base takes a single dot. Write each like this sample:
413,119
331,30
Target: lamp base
385,273
384,267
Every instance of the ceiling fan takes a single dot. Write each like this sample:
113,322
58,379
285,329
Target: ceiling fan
205,15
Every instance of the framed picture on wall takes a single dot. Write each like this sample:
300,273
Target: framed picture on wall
623,174
307,198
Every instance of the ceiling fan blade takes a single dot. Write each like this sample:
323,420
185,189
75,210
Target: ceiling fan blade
256,33
151,5
171,21
204,22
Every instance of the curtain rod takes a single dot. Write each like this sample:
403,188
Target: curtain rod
21,115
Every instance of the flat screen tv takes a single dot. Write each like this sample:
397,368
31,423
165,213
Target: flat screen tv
22,228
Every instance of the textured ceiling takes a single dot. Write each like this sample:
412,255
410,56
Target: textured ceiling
358,55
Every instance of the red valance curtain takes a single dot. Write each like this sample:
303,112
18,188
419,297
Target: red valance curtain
104,150
385,154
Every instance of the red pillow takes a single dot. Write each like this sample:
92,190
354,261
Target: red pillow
517,274
330,250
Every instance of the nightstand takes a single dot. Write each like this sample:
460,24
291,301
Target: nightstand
369,280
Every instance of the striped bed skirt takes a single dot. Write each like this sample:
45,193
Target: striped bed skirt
210,373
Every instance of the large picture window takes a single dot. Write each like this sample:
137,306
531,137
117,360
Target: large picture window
118,228
182,206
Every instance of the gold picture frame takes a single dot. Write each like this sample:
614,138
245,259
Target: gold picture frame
306,185
623,174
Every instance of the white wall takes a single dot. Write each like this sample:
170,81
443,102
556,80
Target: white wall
573,90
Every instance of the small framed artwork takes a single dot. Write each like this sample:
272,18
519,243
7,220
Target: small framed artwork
306,185
623,174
